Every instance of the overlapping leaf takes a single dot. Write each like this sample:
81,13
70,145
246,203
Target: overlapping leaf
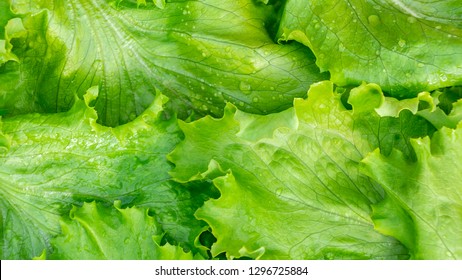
400,45
295,193
199,53
111,233
423,208
50,162
335,176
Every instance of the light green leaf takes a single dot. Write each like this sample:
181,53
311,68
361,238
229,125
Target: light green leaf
111,233
449,12
427,194
5,15
296,193
199,53
49,162
396,44
159,3
449,111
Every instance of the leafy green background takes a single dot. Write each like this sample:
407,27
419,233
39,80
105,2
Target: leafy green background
406,47
240,129
200,53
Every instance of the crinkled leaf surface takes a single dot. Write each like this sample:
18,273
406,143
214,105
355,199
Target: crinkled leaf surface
49,162
449,11
423,208
295,193
199,53
5,15
400,45
94,232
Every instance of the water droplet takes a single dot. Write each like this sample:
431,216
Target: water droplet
255,99
377,52
279,191
243,86
420,65
373,20
241,103
185,12
271,88
130,52
438,27
317,26
401,43
443,77
411,20
341,47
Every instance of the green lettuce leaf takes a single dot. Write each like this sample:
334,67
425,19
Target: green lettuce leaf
94,232
423,206
436,107
49,162
5,15
448,12
199,53
448,96
299,173
400,45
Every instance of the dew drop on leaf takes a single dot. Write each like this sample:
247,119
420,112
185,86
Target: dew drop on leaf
245,87
411,20
374,20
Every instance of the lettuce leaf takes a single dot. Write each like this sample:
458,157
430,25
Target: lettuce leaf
301,174
404,46
97,232
423,206
199,53
94,163
51,162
